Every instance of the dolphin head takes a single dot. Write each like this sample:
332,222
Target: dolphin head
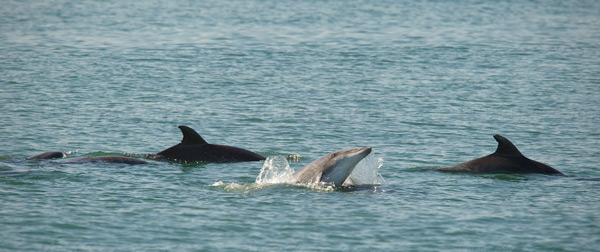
338,165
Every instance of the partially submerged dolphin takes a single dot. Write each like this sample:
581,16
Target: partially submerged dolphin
194,149
105,159
506,159
334,167
108,159
48,155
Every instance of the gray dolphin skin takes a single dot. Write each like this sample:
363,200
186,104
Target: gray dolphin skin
334,167
48,155
108,159
507,159
104,159
194,149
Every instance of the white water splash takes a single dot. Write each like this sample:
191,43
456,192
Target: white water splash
275,170
244,188
366,172
218,183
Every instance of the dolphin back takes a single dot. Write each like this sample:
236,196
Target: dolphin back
506,159
193,148
48,155
109,159
209,153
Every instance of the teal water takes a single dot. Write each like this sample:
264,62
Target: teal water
425,83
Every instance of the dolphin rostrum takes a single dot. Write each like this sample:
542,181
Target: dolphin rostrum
333,168
506,159
194,149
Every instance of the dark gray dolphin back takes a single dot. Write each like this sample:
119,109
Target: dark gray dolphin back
193,148
108,159
190,136
506,159
48,155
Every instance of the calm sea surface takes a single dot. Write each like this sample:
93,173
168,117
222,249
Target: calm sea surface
425,83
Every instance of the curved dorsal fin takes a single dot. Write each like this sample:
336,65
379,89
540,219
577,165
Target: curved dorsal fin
505,147
190,136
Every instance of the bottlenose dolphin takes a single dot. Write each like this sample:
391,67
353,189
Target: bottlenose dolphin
506,159
48,155
105,159
334,167
108,159
194,149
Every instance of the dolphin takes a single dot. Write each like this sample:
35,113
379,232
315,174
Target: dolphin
108,159
506,159
194,149
105,159
333,168
48,155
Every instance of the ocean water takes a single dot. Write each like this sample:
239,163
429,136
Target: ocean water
425,83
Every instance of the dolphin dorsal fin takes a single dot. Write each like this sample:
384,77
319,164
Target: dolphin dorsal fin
505,147
190,136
